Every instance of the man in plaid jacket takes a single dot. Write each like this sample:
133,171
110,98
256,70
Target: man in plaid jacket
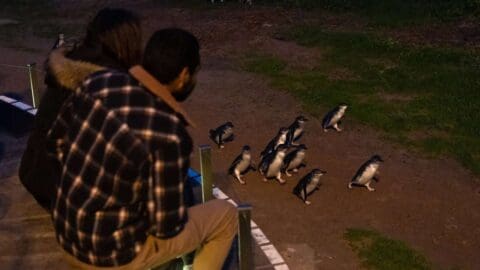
124,152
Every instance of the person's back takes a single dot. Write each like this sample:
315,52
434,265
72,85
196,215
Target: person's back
100,208
99,50
124,152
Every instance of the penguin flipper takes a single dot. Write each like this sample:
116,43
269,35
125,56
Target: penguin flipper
214,137
297,188
289,140
304,193
265,161
326,122
229,138
298,137
234,163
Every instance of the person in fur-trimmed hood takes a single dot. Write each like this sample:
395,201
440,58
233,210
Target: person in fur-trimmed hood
113,41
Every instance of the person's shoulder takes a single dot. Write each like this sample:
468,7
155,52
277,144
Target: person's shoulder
108,80
109,77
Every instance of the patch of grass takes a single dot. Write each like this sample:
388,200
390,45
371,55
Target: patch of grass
439,86
379,252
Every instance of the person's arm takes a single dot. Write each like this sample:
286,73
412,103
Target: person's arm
166,208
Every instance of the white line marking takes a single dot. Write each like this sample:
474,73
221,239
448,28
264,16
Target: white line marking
282,267
272,254
270,251
219,194
259,237
22,106
7,99
232,202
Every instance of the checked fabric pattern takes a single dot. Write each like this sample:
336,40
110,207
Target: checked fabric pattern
124,157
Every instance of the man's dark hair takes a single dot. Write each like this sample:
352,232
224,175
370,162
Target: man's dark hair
117,32
170,50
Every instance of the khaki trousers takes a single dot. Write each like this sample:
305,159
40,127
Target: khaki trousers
210,230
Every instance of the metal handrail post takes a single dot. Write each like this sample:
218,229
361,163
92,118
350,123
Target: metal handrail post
32,75
206,172
245,252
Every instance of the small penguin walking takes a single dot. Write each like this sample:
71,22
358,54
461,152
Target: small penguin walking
296,129
366,173
242,164
308,185
295,160
59,42
280,138
222,134
271,164
333,117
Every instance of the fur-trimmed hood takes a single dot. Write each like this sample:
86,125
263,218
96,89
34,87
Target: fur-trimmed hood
69,73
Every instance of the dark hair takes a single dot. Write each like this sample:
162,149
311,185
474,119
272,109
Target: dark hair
118,34
169,51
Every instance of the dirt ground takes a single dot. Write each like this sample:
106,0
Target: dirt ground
430,204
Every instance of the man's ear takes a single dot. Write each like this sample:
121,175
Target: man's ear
183,77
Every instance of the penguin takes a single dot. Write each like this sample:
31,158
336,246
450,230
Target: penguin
59,42
222,134
333,117
242,164
271,164
366,173
295,130
280,138
294,160
308,184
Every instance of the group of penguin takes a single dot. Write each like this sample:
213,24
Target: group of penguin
275,161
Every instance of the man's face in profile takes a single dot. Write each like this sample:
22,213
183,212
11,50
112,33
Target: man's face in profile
187,89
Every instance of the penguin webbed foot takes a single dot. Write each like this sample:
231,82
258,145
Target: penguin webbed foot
369,187
308,202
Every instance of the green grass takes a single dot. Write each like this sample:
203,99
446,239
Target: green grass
426,98
382,253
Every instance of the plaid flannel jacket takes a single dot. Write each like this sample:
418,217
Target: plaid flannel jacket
124,156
